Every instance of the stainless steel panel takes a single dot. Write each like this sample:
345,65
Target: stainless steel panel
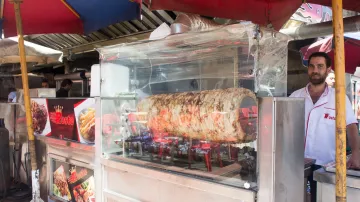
123,182
326,193
329,178
281,150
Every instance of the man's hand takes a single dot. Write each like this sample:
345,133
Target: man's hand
354,161
354,142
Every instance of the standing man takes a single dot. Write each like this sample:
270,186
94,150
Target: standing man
65,88
319,137
45,83
12,95
330,79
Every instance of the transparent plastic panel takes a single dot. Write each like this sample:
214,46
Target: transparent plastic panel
271,68
187,104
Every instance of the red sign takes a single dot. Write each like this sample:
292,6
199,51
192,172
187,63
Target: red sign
62,118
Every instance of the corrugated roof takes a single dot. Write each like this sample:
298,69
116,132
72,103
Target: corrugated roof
122,32
149,21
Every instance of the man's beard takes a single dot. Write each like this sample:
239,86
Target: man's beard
317,81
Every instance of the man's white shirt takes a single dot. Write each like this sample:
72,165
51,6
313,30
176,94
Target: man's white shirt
319,137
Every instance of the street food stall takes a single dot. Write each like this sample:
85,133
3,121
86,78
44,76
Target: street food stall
200,116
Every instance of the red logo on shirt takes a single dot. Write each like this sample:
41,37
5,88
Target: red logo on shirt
327,116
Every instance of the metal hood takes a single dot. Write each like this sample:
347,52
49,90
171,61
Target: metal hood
190,22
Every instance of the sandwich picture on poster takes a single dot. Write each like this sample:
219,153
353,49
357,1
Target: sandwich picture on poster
60,185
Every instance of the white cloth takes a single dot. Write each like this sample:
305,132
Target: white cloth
320,125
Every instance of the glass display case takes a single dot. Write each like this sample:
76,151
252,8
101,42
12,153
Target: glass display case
188,104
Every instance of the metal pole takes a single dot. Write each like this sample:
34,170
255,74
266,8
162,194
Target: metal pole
339,56
25,83
351,24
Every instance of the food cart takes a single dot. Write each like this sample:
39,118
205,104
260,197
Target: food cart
199,116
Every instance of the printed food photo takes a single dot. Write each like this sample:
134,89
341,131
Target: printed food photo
40,117
60,185
87,125
85,118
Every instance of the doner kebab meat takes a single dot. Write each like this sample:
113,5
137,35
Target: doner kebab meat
214,115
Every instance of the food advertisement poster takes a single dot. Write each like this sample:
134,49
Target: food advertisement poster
67,119
40,115
72,183
357,100
62,118
85,119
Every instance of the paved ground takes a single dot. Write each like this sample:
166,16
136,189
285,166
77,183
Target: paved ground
24,200
18,196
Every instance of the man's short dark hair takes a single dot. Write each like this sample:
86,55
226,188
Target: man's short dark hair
44,81
321,54
66,82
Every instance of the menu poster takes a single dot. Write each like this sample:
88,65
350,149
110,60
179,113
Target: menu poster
62,118
85,119
40,116
72,183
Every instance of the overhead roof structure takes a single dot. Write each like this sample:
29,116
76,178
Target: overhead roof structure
134,30
121,32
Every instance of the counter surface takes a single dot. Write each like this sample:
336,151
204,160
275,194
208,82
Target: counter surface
326,177
308,162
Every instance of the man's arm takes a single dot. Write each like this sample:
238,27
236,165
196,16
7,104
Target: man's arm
354,140
353,136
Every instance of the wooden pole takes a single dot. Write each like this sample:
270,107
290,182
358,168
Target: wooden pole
1,9
25,83
339,57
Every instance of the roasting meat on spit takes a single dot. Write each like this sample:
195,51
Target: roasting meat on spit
223,115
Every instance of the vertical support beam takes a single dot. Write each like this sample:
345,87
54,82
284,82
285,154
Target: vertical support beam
25,82
1,9
339,56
